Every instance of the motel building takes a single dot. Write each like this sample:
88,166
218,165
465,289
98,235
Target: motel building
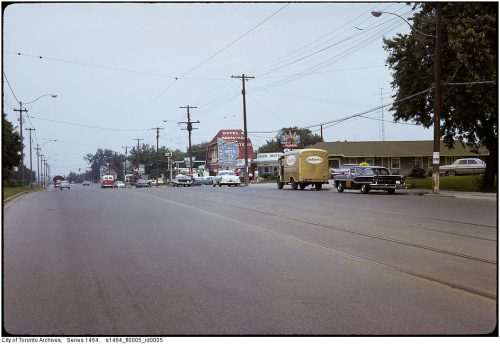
227,151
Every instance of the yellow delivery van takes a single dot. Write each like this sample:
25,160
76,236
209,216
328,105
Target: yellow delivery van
303,167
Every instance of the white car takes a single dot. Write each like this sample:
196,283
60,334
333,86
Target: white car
226,177
464,166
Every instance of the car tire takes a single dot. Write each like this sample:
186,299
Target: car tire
365,188
302,186
391,191
340,187
318,186
294,184
452,173
280,184
213,185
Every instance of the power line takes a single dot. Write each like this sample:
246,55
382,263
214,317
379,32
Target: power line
82,125
8,83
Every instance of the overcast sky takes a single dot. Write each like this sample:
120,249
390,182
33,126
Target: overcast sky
121,69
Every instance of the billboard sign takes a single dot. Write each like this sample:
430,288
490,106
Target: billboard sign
289,139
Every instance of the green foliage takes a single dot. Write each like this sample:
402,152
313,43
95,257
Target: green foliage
103,161
11,148
469,54
307,138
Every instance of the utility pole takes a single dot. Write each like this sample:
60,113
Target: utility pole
21,168
138,153
37,164
321,131
382,125
31,162
125,164
437,104
189,129
243,78
157,157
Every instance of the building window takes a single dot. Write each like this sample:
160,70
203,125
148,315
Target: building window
395,163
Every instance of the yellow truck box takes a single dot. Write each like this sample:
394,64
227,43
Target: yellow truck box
303,167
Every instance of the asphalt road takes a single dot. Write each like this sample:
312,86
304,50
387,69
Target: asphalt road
247,260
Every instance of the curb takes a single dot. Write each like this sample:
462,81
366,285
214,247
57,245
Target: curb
13,197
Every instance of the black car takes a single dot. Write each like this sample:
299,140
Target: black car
366,178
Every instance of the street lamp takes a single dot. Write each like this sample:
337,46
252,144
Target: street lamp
437,94
21,110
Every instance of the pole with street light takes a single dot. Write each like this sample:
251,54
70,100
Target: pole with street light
437,92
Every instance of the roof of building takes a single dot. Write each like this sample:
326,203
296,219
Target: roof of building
393,149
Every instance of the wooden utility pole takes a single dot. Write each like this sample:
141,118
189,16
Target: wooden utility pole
31,162
157,154
21,165
243,78
125,164
437,104
138,153
189,129
37,163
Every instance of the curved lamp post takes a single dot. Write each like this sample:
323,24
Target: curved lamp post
21,110
437,93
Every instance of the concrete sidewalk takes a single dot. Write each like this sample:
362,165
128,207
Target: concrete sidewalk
491,196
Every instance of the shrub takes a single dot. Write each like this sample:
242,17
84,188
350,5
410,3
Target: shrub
417,172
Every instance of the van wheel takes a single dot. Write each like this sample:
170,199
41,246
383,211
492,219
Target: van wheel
294,184
365,188
280,184
340,187
302,186
318,186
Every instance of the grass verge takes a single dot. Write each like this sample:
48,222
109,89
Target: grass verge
11,191
456,183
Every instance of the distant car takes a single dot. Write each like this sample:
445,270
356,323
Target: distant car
119,184
464,166
226,177
182,180
142,183
203,180
65,184
107,181
86,183
366,178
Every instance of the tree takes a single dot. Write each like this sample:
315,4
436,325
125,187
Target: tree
11,148
104,161
199,151
307,138
469,112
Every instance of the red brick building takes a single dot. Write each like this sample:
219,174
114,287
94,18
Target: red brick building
227,150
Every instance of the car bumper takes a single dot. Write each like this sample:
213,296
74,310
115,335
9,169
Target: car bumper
387,186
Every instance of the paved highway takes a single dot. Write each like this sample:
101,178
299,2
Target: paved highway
247,260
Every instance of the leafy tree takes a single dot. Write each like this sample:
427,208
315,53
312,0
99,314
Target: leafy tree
103,161
307,138
199,150
469,54
11,148
147,156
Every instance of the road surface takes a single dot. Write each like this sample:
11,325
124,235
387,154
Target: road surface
247,260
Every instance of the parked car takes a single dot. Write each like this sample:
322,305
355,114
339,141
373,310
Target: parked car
86,183
203,180
182,180
464,166
366,178
64,185
107,181
142,183
119,184
226,177
340,170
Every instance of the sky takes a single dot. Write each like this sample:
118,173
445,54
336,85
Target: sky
121,69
